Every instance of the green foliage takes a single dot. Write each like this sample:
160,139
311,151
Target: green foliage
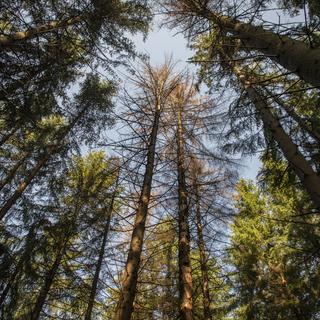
79,203
295,5
52,109
270,243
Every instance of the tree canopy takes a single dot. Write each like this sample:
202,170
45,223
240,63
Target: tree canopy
121,181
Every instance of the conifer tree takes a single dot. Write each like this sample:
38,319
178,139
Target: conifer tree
92,105
196,16
156,84
267,249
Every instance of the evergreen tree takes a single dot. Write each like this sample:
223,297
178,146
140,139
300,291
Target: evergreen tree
269,254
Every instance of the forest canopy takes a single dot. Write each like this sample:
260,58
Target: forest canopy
122,186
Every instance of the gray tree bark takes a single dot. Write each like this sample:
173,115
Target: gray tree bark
308,177
295,56
185,275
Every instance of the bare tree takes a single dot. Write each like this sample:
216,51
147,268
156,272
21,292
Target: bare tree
156,85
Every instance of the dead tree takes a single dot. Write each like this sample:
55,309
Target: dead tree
155,85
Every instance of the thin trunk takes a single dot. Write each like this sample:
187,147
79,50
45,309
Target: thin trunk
26,253
12,172
125,304
51,274
304,125
9,284
185,276
308,177
169,295
7,136
24,184
203,258
36,169
7,41
100,259
41,299
295,56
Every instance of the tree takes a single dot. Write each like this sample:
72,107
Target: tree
91,105
248,80
90,20
83,200
180,98
267,249
309,178
196,172
105,233
156,85
296,56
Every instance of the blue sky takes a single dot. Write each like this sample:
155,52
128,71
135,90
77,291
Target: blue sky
162,42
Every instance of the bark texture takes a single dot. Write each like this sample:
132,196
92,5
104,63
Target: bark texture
100,259
49,278
295,56
7,41
185,275
202,251
129,283
308,177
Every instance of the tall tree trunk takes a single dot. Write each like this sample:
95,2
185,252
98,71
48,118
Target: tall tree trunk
7,41
52,272
7,136
304,125
49,278
5,292
101,255
51,150
129,283
308,177
202,251
12,172
19,266
295,56
185,276
24,184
